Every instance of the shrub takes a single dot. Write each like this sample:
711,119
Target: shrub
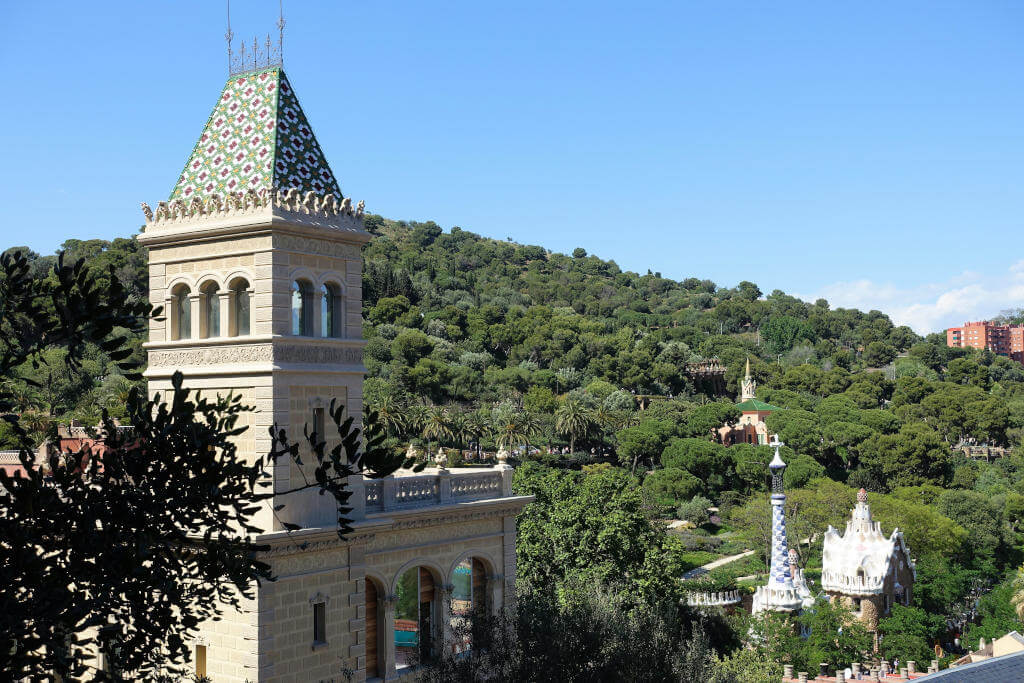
695,510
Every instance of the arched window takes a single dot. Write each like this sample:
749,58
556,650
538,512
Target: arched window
211,309
181,313
240,302
302,309
415,618
330,311
469,599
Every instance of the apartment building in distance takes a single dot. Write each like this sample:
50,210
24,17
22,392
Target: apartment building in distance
1003,340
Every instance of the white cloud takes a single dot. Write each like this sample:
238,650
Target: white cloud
934,306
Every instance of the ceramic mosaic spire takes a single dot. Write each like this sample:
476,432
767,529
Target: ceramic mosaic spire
257,138
779,574
781,594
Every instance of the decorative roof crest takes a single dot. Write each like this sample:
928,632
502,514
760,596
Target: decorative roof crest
249,201
257,56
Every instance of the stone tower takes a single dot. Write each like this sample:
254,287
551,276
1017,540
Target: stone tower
256,259
748,387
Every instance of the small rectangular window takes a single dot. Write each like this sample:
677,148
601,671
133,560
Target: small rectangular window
320,622
318,423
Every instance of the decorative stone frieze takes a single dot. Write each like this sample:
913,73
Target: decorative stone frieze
256,353
315,246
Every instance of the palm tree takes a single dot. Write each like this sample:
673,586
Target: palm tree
511,426
415,418
22,400
1018,592
436,425
573,419
532,427
606,420
459,426
391,414
477,424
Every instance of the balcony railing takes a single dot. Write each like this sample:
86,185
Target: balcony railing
436,487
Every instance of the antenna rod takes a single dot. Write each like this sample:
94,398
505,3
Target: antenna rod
229,36
280,30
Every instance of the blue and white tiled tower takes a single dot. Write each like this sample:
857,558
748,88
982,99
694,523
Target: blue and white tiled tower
783,593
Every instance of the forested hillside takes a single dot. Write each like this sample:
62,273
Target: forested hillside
475,344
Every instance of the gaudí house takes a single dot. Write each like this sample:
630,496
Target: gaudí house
256,259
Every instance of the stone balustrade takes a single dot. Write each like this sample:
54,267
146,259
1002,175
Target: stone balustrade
433,487
719,599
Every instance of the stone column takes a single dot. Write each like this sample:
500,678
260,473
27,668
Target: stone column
317,298
506,473
494,582
195,308
171,322
444,487
228,324
388,488
389,671
446,635
911,667
357,501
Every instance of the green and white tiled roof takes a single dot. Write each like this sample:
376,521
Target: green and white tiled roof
257,138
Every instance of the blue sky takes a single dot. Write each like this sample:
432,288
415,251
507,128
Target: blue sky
870,153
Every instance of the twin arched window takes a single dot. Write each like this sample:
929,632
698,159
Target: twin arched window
210,323
304,309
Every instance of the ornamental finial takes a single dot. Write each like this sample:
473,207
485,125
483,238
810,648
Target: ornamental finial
862,496
262,57
777,462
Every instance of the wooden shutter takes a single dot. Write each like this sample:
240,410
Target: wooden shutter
426,585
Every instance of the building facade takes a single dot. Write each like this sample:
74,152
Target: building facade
863,569
256,259
751,427
1002,340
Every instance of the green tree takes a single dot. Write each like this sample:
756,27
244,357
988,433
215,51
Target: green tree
916,455
908,632
574,420
671,485
642,443
709,462
836,636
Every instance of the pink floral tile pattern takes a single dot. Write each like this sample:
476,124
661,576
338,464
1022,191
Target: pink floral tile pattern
256,138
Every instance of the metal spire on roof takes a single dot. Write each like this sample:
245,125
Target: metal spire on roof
280,31
229,36
263,58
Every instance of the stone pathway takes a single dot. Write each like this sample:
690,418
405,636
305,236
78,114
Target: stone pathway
701,571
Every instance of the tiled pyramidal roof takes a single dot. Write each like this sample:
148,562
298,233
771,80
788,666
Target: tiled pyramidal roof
257,138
